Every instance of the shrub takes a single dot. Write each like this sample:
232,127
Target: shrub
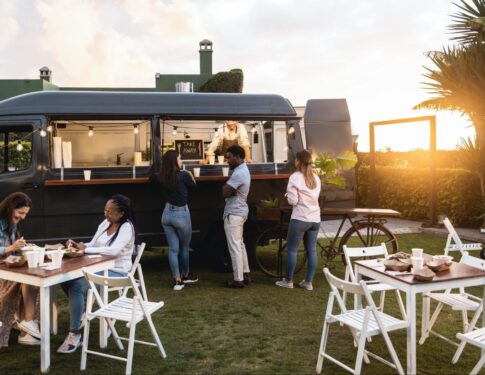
407,190
231,81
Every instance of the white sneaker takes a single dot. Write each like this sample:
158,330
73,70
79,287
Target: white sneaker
284,284
28,340
31,327
178,285
70,344
306,285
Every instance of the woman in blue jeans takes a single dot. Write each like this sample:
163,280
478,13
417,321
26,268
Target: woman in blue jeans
176,185
302,193
116,236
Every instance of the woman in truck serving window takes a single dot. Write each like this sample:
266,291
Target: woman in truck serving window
302,193
117,236
13,209
176,221
231,133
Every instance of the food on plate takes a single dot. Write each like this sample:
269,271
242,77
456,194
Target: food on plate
72,252
15,260
443,258
396,265
424,274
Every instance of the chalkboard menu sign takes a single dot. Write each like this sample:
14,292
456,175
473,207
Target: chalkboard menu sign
190,149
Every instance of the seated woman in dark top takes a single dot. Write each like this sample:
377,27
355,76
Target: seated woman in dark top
176,185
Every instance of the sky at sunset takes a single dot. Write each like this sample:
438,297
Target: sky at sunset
367,51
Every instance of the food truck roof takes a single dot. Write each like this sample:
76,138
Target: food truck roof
166,105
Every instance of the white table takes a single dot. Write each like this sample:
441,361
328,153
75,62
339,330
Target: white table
71,269
459,275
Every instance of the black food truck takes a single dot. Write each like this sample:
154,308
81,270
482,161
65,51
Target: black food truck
70,151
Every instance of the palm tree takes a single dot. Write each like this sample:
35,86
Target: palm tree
457,81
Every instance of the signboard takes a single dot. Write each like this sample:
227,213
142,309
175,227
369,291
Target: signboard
190,149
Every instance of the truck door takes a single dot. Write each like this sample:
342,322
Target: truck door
21,167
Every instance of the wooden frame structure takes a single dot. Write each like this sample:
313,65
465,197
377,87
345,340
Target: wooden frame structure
433,217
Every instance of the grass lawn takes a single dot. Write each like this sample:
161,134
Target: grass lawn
262,329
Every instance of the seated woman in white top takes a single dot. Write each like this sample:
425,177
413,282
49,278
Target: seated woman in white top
116,236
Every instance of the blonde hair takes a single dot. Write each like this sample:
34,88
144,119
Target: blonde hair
304,166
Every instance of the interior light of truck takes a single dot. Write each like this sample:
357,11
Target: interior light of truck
135,129
91,131
174,131
291,130
42,133
20,146
49,128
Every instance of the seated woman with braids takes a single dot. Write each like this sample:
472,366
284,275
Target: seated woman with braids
117,236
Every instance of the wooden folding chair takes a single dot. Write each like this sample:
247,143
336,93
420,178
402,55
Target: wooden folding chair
137,274
363,323
131,310
461,301
454,243
474,337
352,253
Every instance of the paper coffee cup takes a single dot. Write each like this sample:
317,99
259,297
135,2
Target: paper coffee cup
220,159
196,172
32,258
225,171
41,252
417,263
56,256
418,253
212,159
87,175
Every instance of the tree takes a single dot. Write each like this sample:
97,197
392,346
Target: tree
231,81
458,79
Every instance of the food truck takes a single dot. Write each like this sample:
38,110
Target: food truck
70,151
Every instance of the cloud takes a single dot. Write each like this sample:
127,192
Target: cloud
368,51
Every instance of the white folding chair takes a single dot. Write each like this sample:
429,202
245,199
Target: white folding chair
461,301
454,243
137,274
131,310
474,337
363,323
352,253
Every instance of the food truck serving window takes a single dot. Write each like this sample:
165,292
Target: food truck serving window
15,148
189,136
98,144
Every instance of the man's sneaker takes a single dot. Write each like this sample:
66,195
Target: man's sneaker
28,340
284,284
190,278
235,284
247,279
70,344
178,285
305,285
31,327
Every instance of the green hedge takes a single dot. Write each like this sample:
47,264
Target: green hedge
17,159
407,190
231,81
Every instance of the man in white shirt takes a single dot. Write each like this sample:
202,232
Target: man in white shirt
231,133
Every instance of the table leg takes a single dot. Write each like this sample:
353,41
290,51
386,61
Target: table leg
411,331
53,307
45,349
103,332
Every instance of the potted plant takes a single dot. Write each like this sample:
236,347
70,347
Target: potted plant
268,210
329,167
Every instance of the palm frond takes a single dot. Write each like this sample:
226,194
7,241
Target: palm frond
466,24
